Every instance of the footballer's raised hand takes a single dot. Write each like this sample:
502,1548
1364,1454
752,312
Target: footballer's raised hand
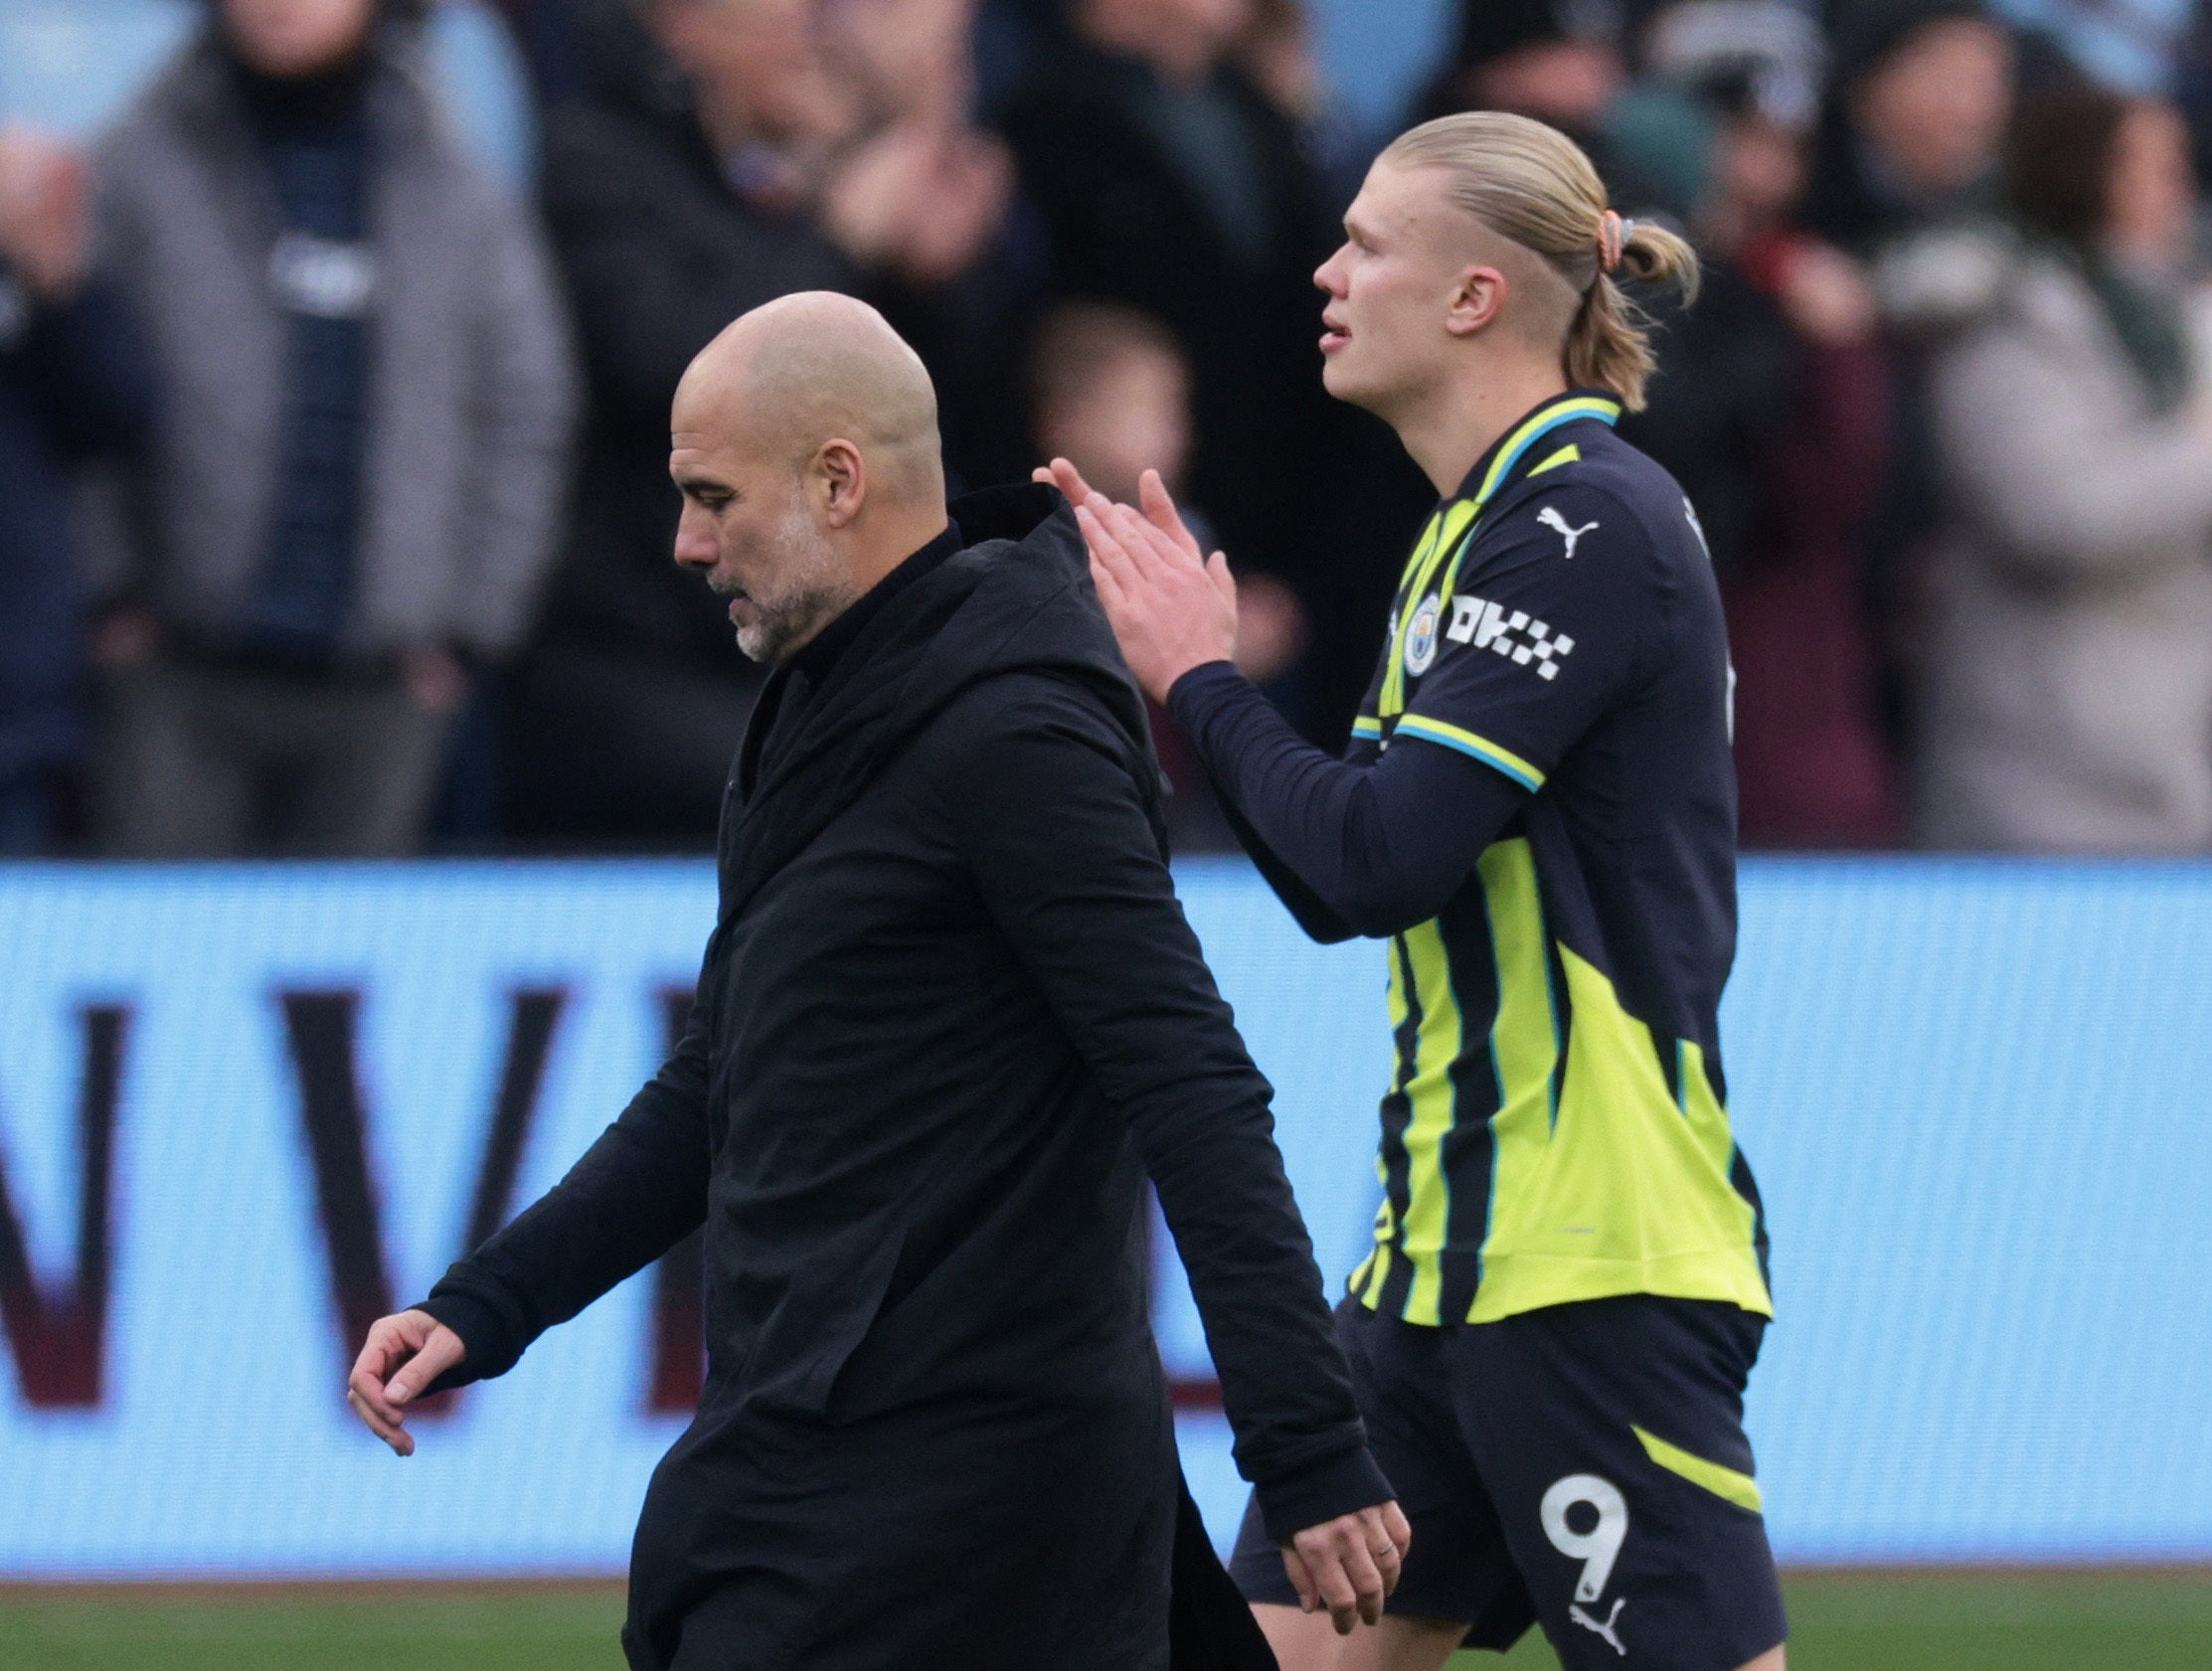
402,1356
1151,492
1171,610
1064,475
1349,1565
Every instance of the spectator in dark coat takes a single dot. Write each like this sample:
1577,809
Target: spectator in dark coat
926,198
1772,410
352,491
74,380
1172,184
721,158
670,215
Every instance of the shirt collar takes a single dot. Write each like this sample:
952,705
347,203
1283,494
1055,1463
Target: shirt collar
1511,450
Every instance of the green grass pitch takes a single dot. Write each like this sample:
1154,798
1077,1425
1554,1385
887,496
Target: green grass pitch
1910,1621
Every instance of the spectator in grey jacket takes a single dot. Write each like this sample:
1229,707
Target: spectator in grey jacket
357,472
2067,682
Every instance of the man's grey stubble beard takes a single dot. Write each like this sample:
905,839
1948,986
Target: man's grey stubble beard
818,595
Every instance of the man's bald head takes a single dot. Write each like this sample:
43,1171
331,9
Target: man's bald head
816,367
804,442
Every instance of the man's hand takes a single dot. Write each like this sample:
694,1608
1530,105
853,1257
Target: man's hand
1827,295
1171,607
1159,506
921,198
1350,1563
404,1354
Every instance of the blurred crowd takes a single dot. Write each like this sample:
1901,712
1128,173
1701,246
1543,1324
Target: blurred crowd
334,385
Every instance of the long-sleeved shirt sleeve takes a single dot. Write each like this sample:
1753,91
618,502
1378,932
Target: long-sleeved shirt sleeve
1539,644
1351,848
1046,807
638,1191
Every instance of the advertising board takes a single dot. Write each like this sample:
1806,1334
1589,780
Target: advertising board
245,1111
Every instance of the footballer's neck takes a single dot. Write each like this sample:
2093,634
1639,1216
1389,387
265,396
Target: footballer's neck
1452,425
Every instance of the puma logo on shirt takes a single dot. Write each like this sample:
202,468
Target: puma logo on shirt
1549,516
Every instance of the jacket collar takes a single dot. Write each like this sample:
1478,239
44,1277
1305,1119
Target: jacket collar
1018,596
818,657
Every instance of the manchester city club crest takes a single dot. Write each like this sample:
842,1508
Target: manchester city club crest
1420,636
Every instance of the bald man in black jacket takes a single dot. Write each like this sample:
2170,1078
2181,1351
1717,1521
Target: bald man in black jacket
951,1020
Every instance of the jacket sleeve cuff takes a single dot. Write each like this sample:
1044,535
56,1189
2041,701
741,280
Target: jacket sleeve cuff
1343,1484
491,1345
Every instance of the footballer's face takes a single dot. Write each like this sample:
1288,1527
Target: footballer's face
749,528
1406,286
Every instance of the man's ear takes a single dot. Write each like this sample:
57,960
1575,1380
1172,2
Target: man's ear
840,481
1476,302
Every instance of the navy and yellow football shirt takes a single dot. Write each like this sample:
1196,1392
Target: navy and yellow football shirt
1557,1125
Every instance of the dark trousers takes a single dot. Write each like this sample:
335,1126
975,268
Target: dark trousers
1209,1624
209,763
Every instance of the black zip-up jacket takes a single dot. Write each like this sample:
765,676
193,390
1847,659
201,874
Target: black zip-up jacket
951,1020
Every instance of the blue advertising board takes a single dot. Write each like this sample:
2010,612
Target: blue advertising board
244,1109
